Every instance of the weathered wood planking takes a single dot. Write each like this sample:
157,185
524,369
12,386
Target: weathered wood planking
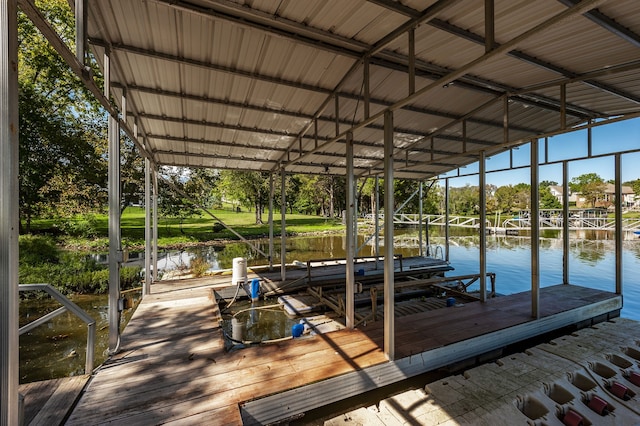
49,402
173,367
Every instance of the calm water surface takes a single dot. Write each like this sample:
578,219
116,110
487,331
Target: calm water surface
57,348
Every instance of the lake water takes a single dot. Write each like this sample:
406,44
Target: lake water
57,348
591,258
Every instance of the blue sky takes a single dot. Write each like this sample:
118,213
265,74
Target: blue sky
610,138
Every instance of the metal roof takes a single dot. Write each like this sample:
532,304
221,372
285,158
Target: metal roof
266,84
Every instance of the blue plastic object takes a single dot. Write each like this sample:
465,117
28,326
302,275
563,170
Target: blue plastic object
451,301
297,330
255,289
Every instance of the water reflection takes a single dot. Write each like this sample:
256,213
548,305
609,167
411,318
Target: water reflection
57,349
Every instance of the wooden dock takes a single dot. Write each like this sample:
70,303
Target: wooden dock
173,368
49,402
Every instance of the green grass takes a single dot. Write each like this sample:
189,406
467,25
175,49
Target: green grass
92,231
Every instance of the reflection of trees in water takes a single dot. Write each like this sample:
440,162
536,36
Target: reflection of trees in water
589,251
333,246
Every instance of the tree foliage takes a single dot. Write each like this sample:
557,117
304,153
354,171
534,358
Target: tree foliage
62,166
590,186
250,189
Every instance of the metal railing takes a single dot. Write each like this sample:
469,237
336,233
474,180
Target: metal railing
67,305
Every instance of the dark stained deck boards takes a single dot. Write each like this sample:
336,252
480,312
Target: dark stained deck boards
173,367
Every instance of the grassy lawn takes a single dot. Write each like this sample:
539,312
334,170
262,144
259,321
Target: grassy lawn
92,231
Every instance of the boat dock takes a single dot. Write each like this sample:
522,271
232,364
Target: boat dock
589,377
173,369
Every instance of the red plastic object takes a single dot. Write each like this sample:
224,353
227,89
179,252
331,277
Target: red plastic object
599,405
634,378
620,390
571,418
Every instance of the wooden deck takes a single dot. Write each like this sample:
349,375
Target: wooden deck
173,368
49,402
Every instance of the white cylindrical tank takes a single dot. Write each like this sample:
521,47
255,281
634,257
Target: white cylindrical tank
239,271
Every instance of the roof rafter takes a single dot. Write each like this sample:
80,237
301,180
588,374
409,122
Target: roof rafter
342,95
595,15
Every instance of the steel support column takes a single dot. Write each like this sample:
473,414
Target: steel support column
271,194
115,249
389,264
482,178
376,221
146,286
351,237
283,225
535,232
446,219
420,219
81,29
146,289
618,209
565,222
154,256
9,400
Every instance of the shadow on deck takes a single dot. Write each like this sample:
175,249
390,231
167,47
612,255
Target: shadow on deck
173,367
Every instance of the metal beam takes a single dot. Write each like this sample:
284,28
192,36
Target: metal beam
283,225
297,114
389,263
376,220
482,202
350,237
446,218
115,247
78,68
565,222
535,232
81,29
489,25
476,38
271,195
154,255
9,225
609,24
420,219
618,230
412,60
148,236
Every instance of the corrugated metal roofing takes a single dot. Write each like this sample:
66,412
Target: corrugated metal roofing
252,84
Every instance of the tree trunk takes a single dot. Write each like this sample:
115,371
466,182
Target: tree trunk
258,212
331,211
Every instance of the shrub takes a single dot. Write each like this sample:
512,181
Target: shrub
199,266
37,249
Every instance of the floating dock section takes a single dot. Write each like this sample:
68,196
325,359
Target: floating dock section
589,377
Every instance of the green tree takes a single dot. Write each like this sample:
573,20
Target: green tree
505,198
522,200
548,200
62,166
171,202
248,188
464,200
590,186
